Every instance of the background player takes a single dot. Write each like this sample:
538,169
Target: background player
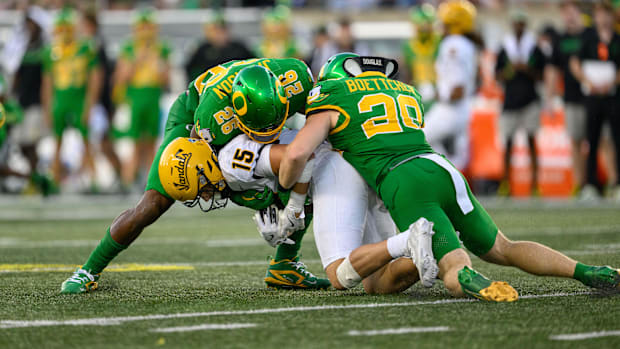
143,69
447,123
70,87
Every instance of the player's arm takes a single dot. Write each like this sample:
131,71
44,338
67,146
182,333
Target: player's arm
164,68
314,132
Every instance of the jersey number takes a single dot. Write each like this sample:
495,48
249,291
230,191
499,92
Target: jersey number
291,85
244,159
404,106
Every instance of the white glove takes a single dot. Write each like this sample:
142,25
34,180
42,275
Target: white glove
291,220
267,223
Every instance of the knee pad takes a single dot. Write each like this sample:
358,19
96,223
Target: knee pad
346,274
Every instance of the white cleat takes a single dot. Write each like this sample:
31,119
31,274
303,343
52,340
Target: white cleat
420,245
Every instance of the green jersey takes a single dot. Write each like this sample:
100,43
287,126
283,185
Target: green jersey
380,122
420,55
214,117
70,66
150,57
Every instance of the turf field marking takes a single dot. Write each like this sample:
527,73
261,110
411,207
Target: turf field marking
581,336
401,330
17,268
201,328
108,321
21,243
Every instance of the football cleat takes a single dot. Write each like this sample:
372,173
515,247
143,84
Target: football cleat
292,274
602,277
478,286
419,246
81,281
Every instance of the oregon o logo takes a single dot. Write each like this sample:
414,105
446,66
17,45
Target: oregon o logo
240,110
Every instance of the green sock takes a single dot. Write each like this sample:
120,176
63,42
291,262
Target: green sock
103,254
285,251
580,271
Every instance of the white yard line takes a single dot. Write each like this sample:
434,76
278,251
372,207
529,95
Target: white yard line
108,321
401,330
582,336
201,328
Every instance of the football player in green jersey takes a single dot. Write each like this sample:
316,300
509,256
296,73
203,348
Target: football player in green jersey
278,41
377,123
206,107
143,69
420,52
70,85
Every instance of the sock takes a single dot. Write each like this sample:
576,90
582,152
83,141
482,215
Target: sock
285,251
580,271
397,244
103,254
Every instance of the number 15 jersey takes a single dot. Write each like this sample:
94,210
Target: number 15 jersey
380,122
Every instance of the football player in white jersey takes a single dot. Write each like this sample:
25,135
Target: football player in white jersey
447,122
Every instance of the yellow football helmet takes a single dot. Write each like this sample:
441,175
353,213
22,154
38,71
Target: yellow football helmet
189,171
458,16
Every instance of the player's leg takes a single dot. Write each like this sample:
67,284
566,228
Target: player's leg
437,184
128,225
88,161
482,237
508,124
575,116
531,121
340,203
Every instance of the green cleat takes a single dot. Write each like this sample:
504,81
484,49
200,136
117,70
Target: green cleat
292,274
604,277
478,286
80,282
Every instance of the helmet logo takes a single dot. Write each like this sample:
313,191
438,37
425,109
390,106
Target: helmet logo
183,159
283,99
243,109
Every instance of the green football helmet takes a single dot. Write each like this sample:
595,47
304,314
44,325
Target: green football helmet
334,67
260,104
423,14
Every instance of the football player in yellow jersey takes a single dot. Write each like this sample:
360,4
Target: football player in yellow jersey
143,69
420,52
70,85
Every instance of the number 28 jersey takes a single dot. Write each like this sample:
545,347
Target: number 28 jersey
380,122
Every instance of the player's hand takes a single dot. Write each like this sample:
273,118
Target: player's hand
267,224
291,219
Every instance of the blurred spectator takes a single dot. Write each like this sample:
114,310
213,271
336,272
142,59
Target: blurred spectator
420,52
103,110
567,44
143,69
345,42
447,122
596,67
519,65
278,41
23,56
216,49
322,50
70,87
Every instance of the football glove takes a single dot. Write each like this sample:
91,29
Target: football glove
267,224
290,220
